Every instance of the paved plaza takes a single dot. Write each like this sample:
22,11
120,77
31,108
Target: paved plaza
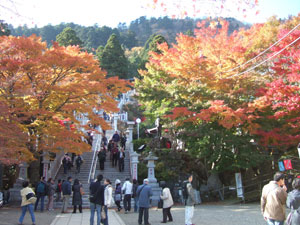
205,214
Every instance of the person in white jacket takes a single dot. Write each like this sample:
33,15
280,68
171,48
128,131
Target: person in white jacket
108,198
167,203
26,203
127,190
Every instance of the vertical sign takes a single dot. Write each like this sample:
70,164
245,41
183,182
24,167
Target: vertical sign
239,185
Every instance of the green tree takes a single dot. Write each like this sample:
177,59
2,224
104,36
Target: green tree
113,58
151,46
68,37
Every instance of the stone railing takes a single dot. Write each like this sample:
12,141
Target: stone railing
55,164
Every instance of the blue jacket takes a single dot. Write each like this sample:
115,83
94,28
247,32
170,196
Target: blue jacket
144,192
66,188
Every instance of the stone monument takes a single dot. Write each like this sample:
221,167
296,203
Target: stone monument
152,180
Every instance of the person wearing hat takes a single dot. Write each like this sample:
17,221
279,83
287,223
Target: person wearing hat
144,193
118,194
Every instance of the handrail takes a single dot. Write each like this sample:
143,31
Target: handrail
56,164
95,148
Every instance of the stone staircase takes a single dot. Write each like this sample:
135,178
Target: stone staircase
109,172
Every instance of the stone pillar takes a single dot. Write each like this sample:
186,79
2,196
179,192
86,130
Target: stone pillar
15,191
152,180
130,130
115,121
46,163
151,167
134,160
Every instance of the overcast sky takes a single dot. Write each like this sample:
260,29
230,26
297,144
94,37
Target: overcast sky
111,12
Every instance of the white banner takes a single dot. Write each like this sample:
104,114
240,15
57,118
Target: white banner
239,185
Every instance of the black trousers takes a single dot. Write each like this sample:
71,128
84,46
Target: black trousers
75,208
167,214
114,160
127,202
101,164
121,164
144,211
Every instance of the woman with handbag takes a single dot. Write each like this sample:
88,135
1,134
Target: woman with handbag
167,203
118,194
28,200
108,200
77,196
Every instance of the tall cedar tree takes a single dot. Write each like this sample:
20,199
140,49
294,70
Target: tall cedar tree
151,46
68,37
113,59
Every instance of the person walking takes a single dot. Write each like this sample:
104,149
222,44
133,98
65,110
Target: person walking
167,203
116,137
51,191
96,199
127,190
102,158
66,162
273,200
123,141
115,153
77,196
110,146
118,194
144,193
190,202
41,192
26,204
108,199
58,190
293,202
121,157
66,191
134,189
104,140
78,162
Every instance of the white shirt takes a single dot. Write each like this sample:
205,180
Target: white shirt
127,187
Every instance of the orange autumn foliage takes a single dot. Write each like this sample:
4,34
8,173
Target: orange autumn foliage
40,85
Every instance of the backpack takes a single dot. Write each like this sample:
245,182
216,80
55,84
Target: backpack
185,192
41,188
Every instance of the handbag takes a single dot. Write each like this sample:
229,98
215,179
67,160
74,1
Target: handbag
30,197
103,214
81,191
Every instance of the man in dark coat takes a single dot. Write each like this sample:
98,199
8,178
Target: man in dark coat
102,158
96,199
66,191
144,192
116,137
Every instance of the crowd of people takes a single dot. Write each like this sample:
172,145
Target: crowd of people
101,198
115,148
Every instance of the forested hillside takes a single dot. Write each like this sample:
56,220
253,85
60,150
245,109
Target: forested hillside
136,34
